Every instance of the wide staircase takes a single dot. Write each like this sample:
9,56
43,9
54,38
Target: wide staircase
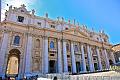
108,75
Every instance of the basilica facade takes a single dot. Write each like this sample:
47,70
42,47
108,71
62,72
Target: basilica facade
30,45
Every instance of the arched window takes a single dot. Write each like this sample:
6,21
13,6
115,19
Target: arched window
52,44
17,40
76,48
37,43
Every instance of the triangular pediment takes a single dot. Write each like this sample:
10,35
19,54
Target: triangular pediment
75,31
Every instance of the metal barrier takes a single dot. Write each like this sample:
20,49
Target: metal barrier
115,68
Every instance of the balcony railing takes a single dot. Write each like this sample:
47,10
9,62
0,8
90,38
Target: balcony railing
52,50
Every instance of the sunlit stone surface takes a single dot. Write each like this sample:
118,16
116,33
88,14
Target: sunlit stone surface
31,45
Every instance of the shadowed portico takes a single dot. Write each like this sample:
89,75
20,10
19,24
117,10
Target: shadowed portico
13,63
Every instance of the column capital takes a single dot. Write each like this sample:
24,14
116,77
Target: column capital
59,39
29,34
64,40
45,37
72,41
5,31
82,43
96,47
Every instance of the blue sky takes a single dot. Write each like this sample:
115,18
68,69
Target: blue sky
97,14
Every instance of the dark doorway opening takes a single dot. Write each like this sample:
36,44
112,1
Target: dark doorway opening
96,66
87,68
111,62
69,68
52,66
78,67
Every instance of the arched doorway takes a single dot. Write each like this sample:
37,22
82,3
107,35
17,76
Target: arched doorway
13,63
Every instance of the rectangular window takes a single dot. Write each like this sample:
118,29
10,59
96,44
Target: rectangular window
66,28
20,19
52,26
68,56
39,23
51,54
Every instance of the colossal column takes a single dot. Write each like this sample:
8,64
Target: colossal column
73,58
28,55
99,59
3,52
65,57
45,54
113,58
107,59
59,57
83,59
90,59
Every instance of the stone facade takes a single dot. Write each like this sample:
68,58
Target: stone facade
116,49
41,45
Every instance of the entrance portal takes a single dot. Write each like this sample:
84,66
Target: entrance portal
78,67
111,62
52,66
13,63
96,66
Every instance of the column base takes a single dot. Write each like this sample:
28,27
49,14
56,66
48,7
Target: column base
100,70
27,75
2,76
20,76
83,71
91,71
65,73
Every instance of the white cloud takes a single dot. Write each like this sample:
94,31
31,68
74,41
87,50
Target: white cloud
14,3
